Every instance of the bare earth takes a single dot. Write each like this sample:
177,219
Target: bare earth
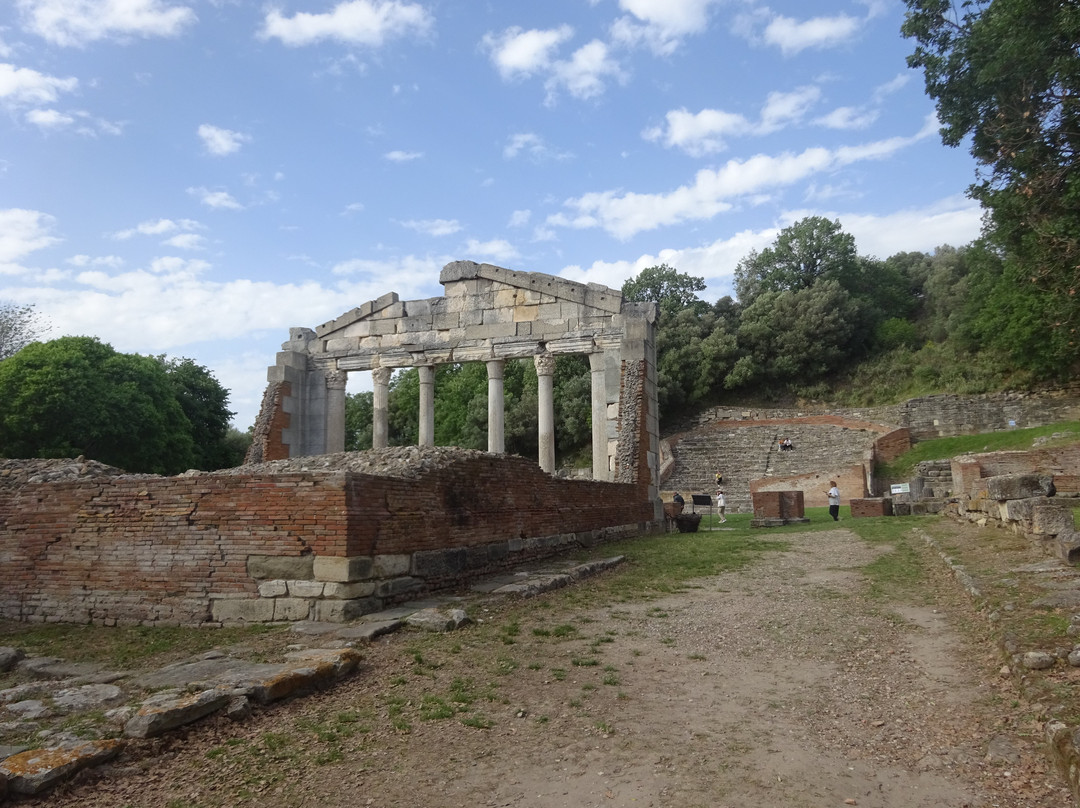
777,685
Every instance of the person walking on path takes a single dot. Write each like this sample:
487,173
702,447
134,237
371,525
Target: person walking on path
720,505
834,500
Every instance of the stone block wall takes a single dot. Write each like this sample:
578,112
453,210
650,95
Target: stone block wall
1019,491
302,545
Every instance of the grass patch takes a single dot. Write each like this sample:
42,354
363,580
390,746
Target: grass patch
939,448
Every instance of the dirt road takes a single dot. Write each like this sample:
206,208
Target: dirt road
781,684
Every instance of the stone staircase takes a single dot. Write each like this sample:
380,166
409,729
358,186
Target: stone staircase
749,450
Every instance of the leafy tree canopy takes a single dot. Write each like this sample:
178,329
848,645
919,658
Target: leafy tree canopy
77,396
664,285
1006,74
206,404
811,249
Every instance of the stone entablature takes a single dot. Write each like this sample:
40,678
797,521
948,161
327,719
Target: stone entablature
489,314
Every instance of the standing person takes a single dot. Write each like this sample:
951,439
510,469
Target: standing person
834,500
720,505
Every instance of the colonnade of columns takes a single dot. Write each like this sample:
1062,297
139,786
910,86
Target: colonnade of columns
545,370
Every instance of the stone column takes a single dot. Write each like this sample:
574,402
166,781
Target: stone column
427,405
496,411
335,410
380,419
545,371
600,468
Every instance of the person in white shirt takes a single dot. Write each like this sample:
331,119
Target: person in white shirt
834,500
720,504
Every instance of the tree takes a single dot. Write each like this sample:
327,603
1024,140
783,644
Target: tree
1006,74
359,414
811,249
206,404
77,396
19,326
664,285
796,337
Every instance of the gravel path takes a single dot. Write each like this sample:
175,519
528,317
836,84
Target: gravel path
782,684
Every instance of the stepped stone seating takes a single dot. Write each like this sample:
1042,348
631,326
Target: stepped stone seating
749,450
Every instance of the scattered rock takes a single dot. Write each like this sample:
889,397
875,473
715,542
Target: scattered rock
439,619
1038,660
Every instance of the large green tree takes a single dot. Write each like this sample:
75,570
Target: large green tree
665,285
1006,75
812,249
206,404
78,396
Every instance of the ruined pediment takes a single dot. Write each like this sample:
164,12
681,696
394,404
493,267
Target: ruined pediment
487,312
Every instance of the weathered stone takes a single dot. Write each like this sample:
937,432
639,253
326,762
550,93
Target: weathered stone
306,589
276,588
290,609
262,567
390,566
37,770
1038,660
342,570
9,657
170,709
439,620
248,610
1016,486
87,697
439,563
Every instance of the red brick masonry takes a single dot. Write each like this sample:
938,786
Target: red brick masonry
158,549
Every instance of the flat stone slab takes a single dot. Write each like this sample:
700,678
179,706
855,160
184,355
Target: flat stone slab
36,770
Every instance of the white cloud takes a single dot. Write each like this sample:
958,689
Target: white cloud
519,218
398,156
626,214
433,227
111,261
706,132
849,118
21,85
221,142
498,249
49,118
186,241
660,24
157,227
216,199
793,36
955,220
22,232
355,22
353,207
533,145
78,22
516,52
585,73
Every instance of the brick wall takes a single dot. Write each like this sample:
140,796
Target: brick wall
163,549
861,508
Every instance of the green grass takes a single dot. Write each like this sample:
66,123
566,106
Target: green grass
943,448
124,646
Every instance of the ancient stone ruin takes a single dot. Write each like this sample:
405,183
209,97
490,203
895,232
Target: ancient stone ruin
315,533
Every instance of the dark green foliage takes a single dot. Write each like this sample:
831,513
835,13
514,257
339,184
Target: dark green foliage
1006,76
77,396
664,285
359,409
206,404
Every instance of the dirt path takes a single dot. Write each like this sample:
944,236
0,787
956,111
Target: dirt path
777,685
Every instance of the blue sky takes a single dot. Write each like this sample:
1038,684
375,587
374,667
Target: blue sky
195,177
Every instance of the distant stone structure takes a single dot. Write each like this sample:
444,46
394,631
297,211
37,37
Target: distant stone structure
489,314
